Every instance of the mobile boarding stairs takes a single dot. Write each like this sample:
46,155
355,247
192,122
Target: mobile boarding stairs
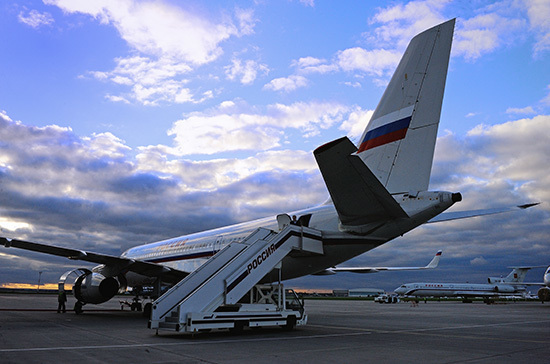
223,293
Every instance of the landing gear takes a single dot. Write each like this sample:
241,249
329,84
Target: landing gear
147,309
78,307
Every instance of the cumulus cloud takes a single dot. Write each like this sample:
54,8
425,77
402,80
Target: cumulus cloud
245,71
485,33
170,41
159,28
307,65
539,15
35,19
495,25
401,22
376,62
218,130
478,261
98,194
76,191
286,84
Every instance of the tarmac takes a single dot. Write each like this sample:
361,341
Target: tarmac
31,331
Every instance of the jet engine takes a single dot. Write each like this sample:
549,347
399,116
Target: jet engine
544,294
95,288
504,289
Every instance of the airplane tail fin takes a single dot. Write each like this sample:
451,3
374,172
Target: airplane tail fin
517,275
399,141
435,261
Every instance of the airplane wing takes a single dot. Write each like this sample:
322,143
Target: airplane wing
447,216
431,265
124,264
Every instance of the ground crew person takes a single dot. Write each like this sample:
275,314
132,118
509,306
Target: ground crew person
61,299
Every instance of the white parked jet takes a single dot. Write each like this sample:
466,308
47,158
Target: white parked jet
378,190
544,292
329,271
512,284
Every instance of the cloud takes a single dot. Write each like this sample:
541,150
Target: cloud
286,84
161,29
310,3
484,33
376,62
222,130
478,261
35,19
307,65
96,193
67,190
538,12
546,100
525,110
492,26
170,42
245,71
401,22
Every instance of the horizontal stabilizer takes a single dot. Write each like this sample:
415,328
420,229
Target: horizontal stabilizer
358,196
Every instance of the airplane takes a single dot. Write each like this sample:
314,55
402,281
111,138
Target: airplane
510,285
378,192
329,271
544,292
516,276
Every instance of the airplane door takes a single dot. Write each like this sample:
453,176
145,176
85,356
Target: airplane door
218,244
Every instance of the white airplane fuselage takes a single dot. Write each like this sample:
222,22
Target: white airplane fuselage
188,252
457,290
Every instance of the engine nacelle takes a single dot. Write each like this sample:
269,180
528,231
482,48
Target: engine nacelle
95,288
544,294
504,288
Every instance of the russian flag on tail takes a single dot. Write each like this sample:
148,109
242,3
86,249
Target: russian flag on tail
386,129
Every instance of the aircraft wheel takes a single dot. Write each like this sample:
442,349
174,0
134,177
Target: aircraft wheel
147,309
78,308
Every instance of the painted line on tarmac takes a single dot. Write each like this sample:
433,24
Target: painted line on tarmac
53,310
179,343
426,331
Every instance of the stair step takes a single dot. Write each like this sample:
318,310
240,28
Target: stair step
168,325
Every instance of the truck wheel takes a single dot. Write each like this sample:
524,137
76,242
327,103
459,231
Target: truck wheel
290,323
238,328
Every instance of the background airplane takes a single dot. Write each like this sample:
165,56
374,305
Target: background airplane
378,191
431,265
510,285
544,292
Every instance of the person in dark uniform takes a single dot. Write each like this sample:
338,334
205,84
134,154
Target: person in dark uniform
61,299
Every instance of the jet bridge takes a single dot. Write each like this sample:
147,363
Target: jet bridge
212,296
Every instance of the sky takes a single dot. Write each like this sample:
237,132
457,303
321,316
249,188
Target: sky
127,122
